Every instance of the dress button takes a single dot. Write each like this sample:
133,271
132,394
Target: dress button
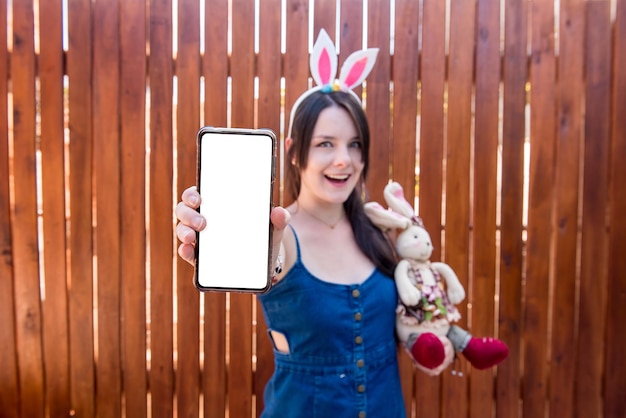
356,293
358,316
358,339
362,414
361,388
360,363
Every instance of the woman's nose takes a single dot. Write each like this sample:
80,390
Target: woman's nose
342,155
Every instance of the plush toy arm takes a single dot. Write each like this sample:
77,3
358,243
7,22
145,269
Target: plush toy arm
455,290
408,293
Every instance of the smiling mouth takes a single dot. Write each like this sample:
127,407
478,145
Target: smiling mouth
337,178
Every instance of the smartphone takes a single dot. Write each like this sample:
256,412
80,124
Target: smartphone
236,173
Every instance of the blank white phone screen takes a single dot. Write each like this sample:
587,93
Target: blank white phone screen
236,173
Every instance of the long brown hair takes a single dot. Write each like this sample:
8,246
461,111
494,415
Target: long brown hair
374,244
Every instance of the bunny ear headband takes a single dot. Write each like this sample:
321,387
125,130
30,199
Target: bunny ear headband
323,63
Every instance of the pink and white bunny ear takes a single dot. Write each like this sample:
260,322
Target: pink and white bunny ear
385,219
357,67
394,196
323,60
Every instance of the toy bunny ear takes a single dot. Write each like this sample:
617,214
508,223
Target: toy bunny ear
385,219
394,196
357,67
323,60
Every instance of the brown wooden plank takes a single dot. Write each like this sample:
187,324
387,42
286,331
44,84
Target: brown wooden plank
404,141
614,405
569,136
540,208
296,57
430,180
350,31
378,103
24,222
325,17
457,180
594,250
511,245
482,289
132,205
160,75
242,73
107,172
9,395
187,124
268,107
55,313
79,69
215,71
405,95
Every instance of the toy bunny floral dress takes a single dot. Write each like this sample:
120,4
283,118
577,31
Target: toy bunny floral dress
342,359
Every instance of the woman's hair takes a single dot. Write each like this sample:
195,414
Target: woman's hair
374,244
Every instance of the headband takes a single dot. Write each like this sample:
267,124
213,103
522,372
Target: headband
323,63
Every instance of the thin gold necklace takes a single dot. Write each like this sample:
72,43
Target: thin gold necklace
330,225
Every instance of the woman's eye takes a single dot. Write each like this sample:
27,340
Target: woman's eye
355,144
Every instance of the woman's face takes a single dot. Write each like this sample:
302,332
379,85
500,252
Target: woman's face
335,161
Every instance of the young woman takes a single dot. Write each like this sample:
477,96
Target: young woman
331,310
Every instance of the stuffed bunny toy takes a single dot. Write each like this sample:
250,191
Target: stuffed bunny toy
428,291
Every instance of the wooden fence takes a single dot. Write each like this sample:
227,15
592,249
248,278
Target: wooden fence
513,111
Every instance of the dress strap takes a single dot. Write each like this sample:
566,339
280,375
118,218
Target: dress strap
297,241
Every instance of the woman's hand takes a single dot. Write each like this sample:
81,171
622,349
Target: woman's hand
190,222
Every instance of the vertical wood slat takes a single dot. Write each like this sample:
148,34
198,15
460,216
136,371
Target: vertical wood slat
405,94
570,109
350,31
187,123
215,72
55,313
403,148
295,59
242,74
107,182
615,379
79,70
160,75
9,395
377,102
540,208
132,204
431,148
269,108
482,287
457,180
324,17
24,220
594,254
511,246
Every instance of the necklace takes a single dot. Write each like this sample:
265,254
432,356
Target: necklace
330,225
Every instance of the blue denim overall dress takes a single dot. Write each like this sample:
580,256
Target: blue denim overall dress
343,360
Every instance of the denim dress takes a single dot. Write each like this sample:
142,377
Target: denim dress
342,360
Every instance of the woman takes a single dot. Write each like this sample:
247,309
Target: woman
331,310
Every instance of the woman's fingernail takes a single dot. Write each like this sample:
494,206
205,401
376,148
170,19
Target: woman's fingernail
198,222
193,200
